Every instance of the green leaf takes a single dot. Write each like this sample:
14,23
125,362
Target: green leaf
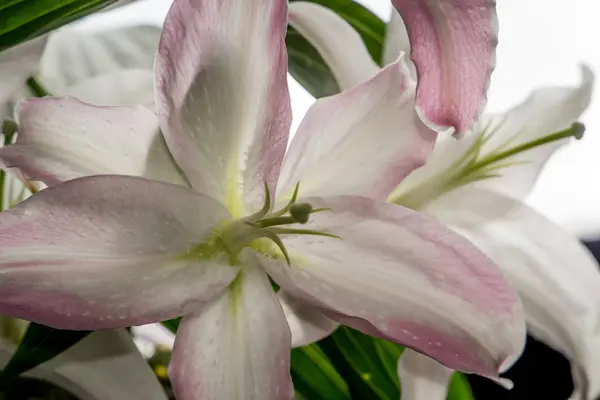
40,344
370,27
459,388
355,356
315,377
309,68
21,20
172,324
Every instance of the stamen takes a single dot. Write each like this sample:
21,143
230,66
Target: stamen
576,130
301,212
266,207
471,168
9,127
292,231
37,88
235,235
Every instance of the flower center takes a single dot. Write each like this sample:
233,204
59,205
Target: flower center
473,167
234,235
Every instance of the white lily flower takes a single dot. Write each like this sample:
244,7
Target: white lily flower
192,232
556,277
106,365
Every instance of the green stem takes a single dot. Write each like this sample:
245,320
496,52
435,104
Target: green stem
37,88
275,221
575,130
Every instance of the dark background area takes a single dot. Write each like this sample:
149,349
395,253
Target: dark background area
541,373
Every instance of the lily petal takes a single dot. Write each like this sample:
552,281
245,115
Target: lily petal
87,370
19,63
546,111
122,88
341,47
453,45
72,56
363,141
63,138
396,40
222,94
306,323
399,275
108,251
422,377
556,277
238,347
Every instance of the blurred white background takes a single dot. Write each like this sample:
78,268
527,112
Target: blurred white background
542,42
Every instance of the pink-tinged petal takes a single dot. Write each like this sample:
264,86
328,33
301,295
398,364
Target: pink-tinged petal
62,138
363,141
307,324
19,63
341,47
222,94
422,377
237,347
87,370
402,276
453,45
108,251
555,275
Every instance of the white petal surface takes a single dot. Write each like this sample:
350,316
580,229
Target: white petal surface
62,138
396,41
238,347
422,378
222,95
341,47
87,370
363,141
108,251
16,65
556,277
73,56
307,324
122,88
547,110
397,274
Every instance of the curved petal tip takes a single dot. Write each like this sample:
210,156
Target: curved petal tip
453,45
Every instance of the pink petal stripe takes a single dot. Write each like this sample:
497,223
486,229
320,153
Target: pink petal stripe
453,44
400,275
222,94
105,252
